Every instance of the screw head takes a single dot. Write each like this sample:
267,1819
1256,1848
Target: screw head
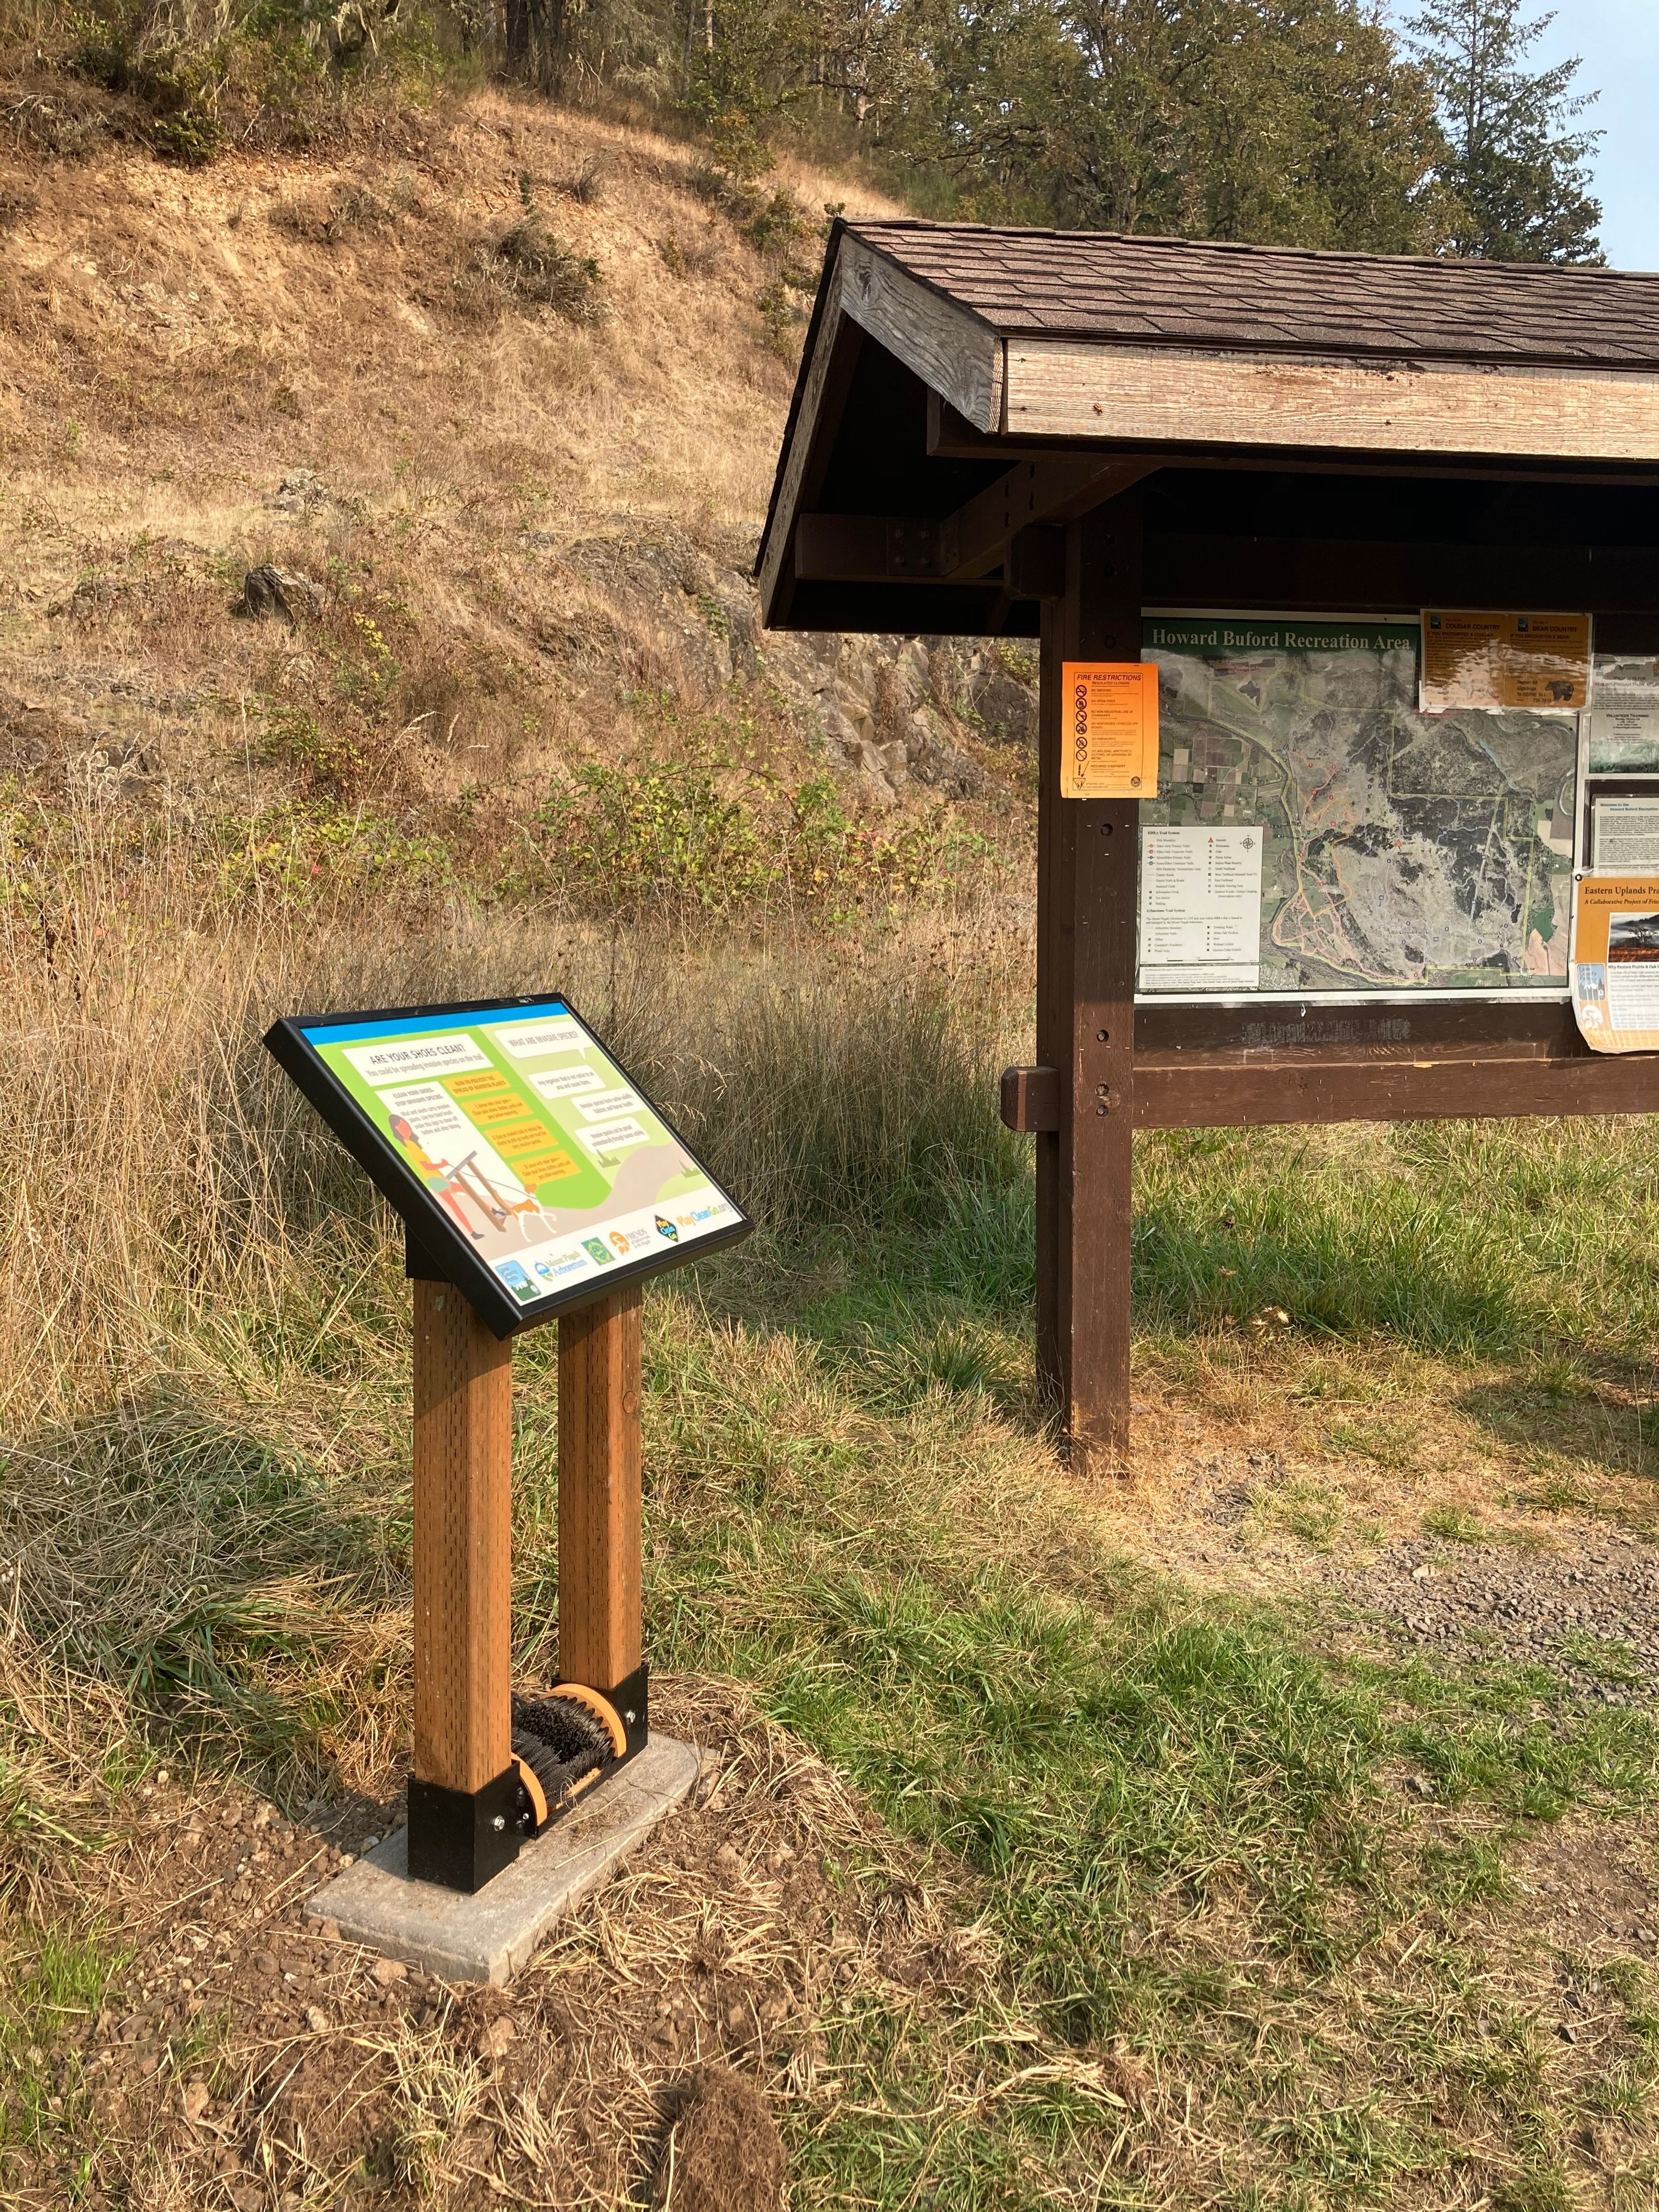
499,1822
1102,1036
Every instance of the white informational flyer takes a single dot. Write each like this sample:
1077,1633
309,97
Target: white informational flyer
1623,714
1624,834
1200,909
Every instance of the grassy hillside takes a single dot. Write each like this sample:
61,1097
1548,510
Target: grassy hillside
500,391
1272,1828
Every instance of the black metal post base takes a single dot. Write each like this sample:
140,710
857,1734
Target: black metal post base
463,1838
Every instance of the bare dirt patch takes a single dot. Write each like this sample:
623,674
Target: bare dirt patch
242,2060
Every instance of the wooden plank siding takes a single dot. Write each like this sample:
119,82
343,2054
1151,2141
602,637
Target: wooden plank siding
1170,395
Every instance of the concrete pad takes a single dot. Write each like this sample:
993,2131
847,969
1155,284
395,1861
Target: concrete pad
491,1936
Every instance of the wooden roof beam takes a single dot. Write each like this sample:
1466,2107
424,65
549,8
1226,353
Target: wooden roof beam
970,543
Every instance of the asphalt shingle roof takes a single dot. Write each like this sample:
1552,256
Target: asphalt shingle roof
1167,291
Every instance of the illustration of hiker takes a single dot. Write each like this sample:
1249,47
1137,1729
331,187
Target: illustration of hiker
445,1186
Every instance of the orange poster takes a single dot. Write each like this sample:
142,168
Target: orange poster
1480,657
1108,740
1615,963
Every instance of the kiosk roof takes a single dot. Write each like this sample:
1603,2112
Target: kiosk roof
963,385
1175,291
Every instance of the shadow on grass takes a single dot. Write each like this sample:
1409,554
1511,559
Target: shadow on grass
223,1587
1557,1414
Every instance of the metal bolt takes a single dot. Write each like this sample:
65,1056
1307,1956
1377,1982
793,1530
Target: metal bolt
629,1718
1102,1036
1105,828
1103,1091
1102,1109
499,1822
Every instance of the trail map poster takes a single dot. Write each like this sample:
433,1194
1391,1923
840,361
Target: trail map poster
1399,851
532,1148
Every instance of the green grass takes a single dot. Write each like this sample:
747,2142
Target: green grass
1184,1825
1256,1910
51,1989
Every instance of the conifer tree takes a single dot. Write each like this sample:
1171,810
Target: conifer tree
1516,170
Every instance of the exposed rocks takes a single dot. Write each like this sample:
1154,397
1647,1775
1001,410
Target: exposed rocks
896,711
92,597
707,611
267,590
301,494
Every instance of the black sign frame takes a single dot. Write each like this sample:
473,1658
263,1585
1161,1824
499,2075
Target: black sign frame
432,1232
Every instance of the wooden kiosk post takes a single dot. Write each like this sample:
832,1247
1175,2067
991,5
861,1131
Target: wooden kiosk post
1086,876
599,1507
540,1184
1017,433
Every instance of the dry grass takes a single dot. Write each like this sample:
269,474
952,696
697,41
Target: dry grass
1153,1912
483,370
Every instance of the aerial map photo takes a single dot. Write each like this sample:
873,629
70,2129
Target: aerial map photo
1399,850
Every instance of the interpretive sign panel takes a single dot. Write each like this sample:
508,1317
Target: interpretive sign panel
1624,716
1616,967
526,1161
1394,850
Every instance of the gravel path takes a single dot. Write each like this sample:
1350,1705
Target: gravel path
1590,1612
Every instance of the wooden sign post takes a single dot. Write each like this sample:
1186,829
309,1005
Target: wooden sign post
537,1181
1086,876
466,1809
465,1817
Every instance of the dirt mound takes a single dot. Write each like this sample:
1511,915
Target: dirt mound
723,2153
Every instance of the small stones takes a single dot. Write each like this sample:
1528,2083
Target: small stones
386,1971
493,2041
301,492
316,2020
92,597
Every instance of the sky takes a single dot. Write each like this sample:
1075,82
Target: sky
1619,41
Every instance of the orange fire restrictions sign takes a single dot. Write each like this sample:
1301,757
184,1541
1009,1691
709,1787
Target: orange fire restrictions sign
1108,742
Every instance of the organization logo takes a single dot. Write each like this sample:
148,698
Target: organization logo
620,1243
574,1263
667,1229
592,1245
517,1281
